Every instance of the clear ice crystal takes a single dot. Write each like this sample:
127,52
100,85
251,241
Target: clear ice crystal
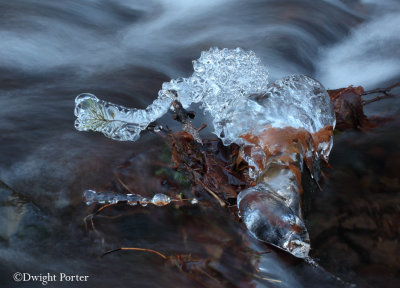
271,212
297,101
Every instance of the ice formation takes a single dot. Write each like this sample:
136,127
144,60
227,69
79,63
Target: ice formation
233,88
221,80
91,196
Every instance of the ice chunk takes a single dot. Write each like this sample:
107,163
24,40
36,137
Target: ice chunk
271,209
268,219
297,101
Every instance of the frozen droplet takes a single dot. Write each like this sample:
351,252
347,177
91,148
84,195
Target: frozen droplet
194,201
157,128
89,197
144,202
161,199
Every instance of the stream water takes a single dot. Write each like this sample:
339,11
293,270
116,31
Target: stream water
122,51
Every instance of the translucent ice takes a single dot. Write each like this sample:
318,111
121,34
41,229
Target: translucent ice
117,122
269,219
160,199
91,197
272,208
220,80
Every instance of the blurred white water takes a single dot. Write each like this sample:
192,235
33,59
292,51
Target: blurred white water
369,55
98,36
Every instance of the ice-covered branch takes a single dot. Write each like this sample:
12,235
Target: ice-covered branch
91,197
118,122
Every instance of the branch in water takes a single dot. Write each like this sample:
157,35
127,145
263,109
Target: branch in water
384,91
135,249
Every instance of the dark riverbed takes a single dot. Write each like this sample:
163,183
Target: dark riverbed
123,51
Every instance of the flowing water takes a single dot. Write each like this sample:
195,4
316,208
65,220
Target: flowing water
122,51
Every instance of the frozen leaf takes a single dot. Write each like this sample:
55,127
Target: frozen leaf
114,121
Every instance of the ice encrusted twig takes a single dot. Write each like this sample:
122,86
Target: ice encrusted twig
233,89
91,197
118,122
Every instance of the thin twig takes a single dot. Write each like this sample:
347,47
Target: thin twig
136,249
124,185
268,279
93,228
366,102
384,91
381,90
220,201
204,125
109,217
208,275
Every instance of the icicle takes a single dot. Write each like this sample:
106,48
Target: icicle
91,197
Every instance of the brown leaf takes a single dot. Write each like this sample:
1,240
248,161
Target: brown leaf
349,109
